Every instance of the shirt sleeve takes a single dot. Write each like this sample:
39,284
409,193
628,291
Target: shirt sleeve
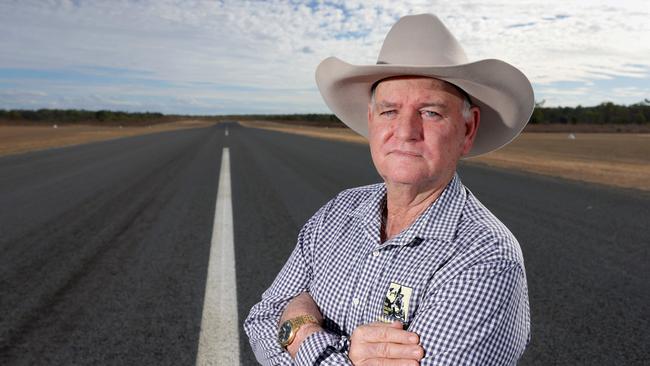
261,325
481,317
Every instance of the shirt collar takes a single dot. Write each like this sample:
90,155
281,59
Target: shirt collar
370,212
438,221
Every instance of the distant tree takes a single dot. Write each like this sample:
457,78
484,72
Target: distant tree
538,113
639,118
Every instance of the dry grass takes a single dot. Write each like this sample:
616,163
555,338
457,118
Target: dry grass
616,159
621,160
18,139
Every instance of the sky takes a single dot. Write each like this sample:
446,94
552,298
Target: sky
249,57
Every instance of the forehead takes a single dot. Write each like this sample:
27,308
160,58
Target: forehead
416,84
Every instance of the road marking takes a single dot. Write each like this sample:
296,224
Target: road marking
219,338
226,131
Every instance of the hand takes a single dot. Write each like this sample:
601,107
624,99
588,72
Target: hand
384,344
302,304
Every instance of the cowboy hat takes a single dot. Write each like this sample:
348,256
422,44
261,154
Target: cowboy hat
421,45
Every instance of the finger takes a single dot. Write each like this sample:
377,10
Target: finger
394,324
394,351
385,334
389,362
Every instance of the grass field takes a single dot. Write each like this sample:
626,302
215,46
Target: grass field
616,159
19,139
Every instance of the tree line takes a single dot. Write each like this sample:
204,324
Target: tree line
604,113
76,116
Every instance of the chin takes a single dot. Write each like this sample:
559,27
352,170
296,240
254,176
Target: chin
412,174
405,177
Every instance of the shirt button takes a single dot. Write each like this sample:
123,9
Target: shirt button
355,301
375,253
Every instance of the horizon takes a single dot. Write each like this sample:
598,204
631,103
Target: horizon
212,58
645,102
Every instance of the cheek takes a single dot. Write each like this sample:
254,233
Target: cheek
379,141
378,132
442,147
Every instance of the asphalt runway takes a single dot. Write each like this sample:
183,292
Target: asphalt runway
105,246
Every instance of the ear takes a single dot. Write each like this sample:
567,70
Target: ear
370,115
471,128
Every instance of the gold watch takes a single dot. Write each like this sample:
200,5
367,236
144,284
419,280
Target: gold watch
290,327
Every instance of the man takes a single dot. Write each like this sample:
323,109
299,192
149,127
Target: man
414,270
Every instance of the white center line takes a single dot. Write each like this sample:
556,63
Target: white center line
219,338
226,131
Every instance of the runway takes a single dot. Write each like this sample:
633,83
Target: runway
105,246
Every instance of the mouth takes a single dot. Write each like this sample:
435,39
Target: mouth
405,153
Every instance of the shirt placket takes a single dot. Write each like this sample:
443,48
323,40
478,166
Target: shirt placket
360,301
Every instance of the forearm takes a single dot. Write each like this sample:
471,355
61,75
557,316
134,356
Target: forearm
277,305
264,319
299,306
261,326
316,344
312,342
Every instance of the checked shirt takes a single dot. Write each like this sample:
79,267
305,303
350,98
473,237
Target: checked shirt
455,277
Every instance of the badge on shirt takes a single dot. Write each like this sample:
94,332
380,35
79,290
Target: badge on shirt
396,302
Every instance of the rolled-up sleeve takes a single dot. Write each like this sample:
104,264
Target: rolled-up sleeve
261,325
323,348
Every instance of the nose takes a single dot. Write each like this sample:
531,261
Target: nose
408,126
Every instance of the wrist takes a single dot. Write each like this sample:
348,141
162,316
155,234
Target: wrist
303,333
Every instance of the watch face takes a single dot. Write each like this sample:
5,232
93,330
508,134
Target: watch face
284,333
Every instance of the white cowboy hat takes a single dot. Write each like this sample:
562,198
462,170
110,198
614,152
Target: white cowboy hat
421,45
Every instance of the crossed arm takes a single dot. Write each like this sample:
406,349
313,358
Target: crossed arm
479,317
370,344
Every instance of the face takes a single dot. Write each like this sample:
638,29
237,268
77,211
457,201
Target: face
417,131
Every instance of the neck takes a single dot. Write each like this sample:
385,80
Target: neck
405,202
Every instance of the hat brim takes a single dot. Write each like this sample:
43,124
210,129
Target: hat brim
502,92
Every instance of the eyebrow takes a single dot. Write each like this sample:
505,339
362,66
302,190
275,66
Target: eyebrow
385,104
434,104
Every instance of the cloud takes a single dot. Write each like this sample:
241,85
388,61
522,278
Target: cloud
261,56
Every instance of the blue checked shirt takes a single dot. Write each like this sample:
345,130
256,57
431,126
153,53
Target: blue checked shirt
455,277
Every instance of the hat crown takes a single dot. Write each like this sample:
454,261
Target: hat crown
421,40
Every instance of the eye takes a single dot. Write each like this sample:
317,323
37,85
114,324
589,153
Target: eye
389,113
429,114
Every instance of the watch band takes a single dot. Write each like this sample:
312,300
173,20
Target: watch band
302,320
